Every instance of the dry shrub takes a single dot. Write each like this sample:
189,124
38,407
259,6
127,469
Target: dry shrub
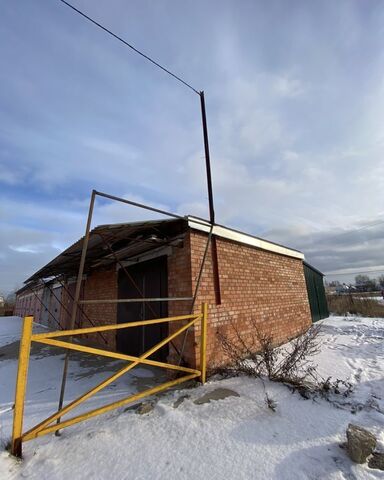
256,355
292,364
353,305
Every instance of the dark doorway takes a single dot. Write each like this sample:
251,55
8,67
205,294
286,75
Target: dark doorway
151,279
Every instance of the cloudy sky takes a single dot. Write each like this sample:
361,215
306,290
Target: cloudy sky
295,102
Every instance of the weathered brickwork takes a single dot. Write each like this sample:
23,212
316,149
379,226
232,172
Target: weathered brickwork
180,285
98,286
255,284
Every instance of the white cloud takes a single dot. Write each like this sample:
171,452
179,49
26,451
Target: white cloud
288,86
26,248
295,114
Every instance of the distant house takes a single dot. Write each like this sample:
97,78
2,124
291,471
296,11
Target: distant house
256,278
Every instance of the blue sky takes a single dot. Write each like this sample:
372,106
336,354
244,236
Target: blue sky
295,97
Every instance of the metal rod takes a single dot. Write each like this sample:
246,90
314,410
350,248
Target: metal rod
207,159
215,269
80,308
46,284
77,296
132,239
109,354
128,275
21,386
130,278
111,406
201,268
196,290
215,263
44,426
114,326
136,204
104,383
43,305
203,343
134,300
152,209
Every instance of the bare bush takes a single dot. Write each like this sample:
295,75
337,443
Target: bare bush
255,354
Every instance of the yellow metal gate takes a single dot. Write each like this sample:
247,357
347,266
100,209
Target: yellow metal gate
48,425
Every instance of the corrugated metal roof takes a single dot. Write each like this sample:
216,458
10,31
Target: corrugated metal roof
125,240
106,242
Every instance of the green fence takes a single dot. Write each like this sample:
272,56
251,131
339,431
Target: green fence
316,293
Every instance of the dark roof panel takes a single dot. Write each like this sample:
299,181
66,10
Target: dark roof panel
108,242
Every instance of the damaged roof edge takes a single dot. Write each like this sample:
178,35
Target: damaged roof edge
74,250
236,236
192,222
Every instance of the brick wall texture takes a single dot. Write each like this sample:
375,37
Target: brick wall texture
101,285
256,286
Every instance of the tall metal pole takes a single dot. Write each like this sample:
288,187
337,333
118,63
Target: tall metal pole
207,159
215,262
76,298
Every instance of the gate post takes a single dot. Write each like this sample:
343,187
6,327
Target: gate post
203,342
21,385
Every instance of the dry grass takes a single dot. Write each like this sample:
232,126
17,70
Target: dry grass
344,304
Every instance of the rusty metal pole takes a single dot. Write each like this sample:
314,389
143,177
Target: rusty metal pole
207,159
215,262
76,298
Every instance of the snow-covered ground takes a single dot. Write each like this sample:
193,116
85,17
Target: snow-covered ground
234,438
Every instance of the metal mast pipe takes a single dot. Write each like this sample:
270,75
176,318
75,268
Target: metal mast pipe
77,297
215,262
207,159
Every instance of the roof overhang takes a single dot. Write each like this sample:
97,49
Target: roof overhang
244,238
109,243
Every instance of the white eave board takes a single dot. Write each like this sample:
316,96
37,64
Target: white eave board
239,237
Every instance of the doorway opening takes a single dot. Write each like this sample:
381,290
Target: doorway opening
150,278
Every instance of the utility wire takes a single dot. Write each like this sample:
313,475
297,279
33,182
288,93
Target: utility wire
354,272
129,45
349,232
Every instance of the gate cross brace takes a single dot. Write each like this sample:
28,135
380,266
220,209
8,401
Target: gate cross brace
46,426
39,429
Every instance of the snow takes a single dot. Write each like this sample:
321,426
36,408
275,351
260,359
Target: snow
233,438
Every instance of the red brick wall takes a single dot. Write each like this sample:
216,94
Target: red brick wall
101,285
255,284
180,285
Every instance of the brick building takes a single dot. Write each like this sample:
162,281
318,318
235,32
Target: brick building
253,279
